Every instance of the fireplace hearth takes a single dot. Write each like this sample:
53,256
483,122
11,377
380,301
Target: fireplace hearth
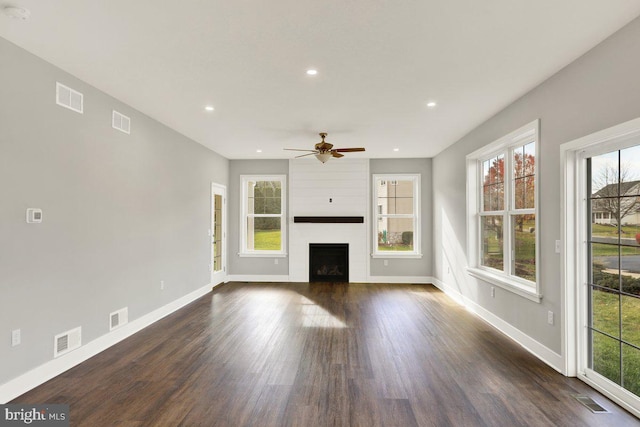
328,262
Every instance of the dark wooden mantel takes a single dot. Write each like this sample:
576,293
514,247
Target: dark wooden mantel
330,219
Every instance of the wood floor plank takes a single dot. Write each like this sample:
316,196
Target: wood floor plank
321,354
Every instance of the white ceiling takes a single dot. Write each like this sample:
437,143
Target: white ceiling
378,62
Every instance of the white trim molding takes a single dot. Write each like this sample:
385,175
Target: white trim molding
43,373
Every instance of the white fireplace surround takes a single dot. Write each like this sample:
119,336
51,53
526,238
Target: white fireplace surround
335,188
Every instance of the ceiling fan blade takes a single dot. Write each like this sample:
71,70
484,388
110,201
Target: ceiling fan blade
304,155
296,149
336,154
348,150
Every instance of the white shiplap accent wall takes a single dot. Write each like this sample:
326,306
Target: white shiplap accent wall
311,187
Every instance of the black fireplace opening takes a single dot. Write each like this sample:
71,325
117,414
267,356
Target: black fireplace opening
328,262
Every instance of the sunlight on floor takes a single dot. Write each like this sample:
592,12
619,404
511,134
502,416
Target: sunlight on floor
314,316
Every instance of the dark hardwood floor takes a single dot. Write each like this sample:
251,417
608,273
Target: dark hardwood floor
321,354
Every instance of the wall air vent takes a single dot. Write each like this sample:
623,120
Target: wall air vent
121,122
118,318
67,341
69,98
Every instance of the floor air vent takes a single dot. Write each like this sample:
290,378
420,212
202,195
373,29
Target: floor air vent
67,341
590,404
118,318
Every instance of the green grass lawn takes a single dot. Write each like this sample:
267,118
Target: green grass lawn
525,248
599,249
395,247
267,240
602,230
627,232
606,351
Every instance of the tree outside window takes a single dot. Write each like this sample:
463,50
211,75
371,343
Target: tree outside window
508,198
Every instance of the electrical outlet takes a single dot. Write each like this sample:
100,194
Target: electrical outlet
557,246
15,337
493,292
385,262
161,285
275,261
550,317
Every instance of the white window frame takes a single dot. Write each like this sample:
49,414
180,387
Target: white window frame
244,180
504,279
415,178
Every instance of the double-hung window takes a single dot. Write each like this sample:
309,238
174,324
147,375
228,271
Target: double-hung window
262,226
503,212
396,228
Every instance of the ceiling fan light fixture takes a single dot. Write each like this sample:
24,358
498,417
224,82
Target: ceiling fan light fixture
323,157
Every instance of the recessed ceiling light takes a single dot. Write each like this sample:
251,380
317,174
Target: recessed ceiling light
396,149
431,104
258,151
17,12
209,108
312,72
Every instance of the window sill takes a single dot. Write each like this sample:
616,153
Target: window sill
506,284
398,254
262,254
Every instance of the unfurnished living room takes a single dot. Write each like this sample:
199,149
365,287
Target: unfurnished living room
304,213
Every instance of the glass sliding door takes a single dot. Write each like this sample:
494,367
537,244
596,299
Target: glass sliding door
613,246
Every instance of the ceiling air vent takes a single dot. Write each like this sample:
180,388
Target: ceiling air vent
121,122
69,98
67,341
118,318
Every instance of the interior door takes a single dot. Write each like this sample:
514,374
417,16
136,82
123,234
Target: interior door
218,234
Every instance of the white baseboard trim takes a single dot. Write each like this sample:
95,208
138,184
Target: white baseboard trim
422,280
257,278
43,373
542,352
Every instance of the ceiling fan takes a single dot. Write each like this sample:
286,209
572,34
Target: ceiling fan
324,151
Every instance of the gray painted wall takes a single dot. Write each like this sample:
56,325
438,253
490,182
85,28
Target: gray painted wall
409,267
250,265
121,212
597,91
